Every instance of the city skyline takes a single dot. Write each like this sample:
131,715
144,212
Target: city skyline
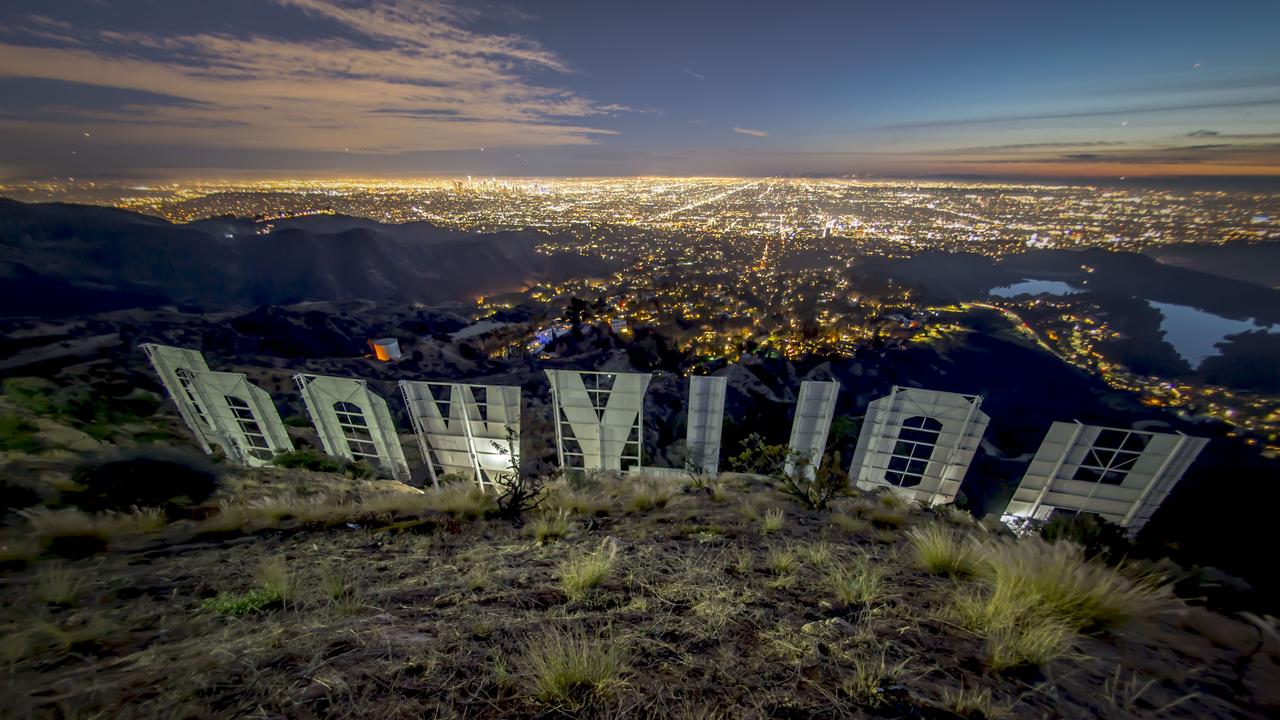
392,88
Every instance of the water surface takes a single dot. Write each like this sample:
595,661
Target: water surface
1194,332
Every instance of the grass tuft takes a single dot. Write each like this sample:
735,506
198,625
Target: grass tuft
461,500
969,702
583,573
772,521
942,551
1059,579
571,670
649,494
781,561
550,526
55,584
819,554
277,585
870,677
849,523
858,582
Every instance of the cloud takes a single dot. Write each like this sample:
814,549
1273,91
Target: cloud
1017,147
1203,133
751,132
692,74
615,108
387,75
1086,113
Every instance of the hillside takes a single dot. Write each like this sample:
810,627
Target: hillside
289,593
64,259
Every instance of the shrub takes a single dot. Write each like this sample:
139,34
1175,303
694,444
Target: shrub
277,585
31,394
886,519
16,552
583,573
1096,536
518,491
154,477
891,500
16,495
772,521
858,582
79,405
18,435
570,669
942,551
815,488
255,600
319,462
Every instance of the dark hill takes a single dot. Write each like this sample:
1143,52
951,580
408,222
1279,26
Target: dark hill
64,259
1251,262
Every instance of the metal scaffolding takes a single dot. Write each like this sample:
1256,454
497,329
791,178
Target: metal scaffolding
919,443
598,418
468,430
815,408
705,424
1120,474
353,422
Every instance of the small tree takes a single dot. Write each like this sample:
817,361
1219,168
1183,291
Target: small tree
813,487
518,491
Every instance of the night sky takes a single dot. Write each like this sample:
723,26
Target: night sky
365,88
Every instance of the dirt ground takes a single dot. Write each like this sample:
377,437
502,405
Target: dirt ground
426,614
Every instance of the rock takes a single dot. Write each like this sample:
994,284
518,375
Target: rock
830,626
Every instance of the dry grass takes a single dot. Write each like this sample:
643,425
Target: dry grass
550,526
861,581
820,554
19,551
871,674
571,670
461,500
576,502
1060,580
56,584
394,503
781,561
971,702
277,577
886,519
582,573
1034,641
942,550
648,494
372,621
849,523
46,524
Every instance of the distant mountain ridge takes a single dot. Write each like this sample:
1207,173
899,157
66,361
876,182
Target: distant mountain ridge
62,259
